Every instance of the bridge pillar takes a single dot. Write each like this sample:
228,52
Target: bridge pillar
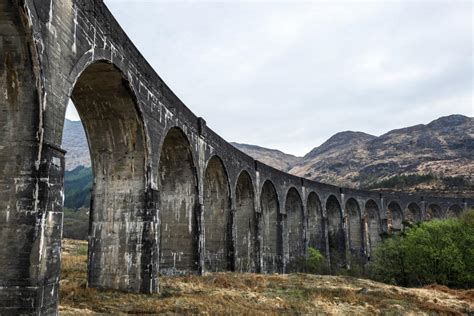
345,229
284,245
31,177
259,242
365,225
231,242
31,233
423,210
200,236
325,222
150,243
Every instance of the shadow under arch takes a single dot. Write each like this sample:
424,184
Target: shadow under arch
315,231
336,240
434,211
217,228
373,228
413,213
295,227
245,224
355,227
271,229
177,186
395,217
117,140
454,211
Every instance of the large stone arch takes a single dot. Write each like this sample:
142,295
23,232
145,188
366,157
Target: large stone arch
336,240
217,217
434,211
395,217
315,230
295,226
454,211
413,213
117,142
373,228
120,255
245,224
31,176
271,229
177,187
354,227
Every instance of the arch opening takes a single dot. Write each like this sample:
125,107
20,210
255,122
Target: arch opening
177,187
373,228
336,240
315,230
395,217
295,227
245,224
434,211
354,227
271,233
217,222
413,214
454,211
116,138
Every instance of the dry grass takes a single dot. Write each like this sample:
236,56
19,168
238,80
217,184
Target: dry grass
231,293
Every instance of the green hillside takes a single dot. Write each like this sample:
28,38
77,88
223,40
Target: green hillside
77,188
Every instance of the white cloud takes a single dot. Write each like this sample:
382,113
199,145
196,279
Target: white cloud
289,74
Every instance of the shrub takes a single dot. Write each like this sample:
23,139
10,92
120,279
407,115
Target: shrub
315,262
440,251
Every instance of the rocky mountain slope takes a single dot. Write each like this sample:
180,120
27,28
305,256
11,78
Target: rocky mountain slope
443,148
271,157
75,143
437,156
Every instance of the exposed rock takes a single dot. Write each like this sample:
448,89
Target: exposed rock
75,143
271,157
442,149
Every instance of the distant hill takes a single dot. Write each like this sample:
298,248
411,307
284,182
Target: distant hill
75,143
271,157
438,156
77,187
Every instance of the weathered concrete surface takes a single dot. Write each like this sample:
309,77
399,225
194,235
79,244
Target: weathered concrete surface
170,196
178,202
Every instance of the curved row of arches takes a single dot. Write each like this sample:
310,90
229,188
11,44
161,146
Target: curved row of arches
272,239
208,230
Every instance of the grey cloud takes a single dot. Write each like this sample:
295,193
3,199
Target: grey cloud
289,75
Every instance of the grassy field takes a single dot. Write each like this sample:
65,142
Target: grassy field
231,293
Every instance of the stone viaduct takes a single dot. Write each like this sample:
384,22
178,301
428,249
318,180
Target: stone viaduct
169,196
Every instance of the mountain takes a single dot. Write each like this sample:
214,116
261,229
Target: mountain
271,157
437,156
441,151
77,187
75,143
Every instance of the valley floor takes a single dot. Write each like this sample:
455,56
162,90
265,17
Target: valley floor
232,293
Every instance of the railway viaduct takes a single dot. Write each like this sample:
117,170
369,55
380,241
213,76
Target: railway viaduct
169,196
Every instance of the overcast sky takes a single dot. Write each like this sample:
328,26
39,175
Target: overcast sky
288,74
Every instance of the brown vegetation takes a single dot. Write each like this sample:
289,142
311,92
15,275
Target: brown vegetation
231,293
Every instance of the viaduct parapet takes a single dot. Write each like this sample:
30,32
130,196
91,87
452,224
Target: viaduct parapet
169,195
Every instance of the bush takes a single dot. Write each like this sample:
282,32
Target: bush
315,262
440,251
